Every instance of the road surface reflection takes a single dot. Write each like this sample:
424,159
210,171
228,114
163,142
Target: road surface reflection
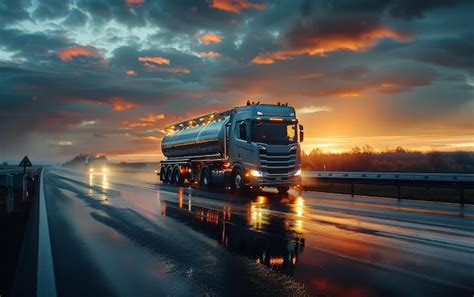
274,241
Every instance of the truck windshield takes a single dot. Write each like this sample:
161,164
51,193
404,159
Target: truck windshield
98,162
274,133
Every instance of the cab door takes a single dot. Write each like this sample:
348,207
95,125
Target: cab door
242,145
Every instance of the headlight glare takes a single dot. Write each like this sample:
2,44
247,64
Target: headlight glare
256,173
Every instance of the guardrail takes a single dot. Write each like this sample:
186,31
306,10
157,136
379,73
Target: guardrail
397,179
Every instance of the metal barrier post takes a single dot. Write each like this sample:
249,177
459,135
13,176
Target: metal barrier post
352,190
461,201
399,193
10,201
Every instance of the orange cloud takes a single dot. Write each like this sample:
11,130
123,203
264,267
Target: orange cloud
321,43
235,6
210,38
152,138
210,54
154,60
262,60
134,2
152,118
120,104
131,72
148,121
67,54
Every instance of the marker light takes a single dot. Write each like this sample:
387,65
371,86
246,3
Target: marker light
256,173
298,172
276,119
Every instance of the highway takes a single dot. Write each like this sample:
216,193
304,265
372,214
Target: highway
124,234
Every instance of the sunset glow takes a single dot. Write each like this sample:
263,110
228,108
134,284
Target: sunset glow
109,78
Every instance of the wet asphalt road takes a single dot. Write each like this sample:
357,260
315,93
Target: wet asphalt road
125,234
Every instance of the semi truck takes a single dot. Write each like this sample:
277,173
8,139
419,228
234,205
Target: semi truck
96,165
247,147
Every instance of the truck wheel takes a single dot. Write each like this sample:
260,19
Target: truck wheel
177,177
238,184
167,177
283,189
205,178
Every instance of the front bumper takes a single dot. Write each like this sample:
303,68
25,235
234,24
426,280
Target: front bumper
274,180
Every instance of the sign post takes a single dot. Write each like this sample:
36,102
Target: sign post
24,163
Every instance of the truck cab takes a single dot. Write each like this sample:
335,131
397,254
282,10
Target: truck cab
96,165
264,147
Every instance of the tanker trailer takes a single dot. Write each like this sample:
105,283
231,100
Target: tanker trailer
252,146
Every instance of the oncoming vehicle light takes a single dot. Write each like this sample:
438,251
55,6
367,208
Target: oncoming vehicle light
298,172
256,173
104,169
91,170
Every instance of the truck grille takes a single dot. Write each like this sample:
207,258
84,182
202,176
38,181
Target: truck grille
277,163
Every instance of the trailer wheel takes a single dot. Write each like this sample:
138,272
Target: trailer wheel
177,177
162,173
167,178
205,178
238,184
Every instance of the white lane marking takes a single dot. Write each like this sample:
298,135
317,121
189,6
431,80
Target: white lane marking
45,281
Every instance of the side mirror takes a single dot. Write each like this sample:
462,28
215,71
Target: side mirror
227,131
301,128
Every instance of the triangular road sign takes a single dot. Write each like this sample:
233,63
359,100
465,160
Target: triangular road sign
25,162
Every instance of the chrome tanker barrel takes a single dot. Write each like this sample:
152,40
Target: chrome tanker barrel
204,139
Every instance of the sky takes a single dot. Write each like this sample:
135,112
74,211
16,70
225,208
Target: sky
97,76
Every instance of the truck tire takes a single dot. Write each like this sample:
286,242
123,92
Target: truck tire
283,189
167,177
238,183
177,177
162,173
205,178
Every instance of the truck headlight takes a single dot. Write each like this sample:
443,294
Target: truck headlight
298,172
256,173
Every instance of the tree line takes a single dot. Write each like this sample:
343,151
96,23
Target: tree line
400,160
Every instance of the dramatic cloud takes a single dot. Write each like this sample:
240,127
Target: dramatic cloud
135,2
210,54
121,104
67,54
149,120
235,6
106,76
327,34
210,38
154,60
